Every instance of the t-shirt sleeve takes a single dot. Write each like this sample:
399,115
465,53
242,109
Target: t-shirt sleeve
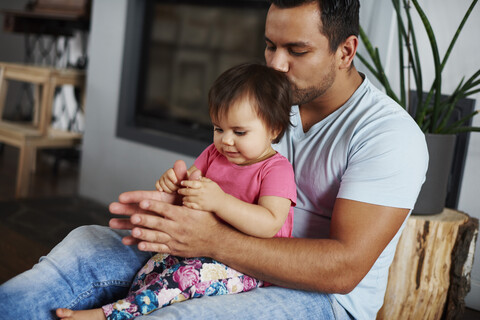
386,166
279,180
205,158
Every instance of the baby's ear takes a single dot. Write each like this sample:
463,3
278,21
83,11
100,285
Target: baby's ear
195,175
275,133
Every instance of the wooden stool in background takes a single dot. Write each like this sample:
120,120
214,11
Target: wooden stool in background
430,274
29,137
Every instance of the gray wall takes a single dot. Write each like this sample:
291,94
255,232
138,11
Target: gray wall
12,47
11,44
446,16
111,165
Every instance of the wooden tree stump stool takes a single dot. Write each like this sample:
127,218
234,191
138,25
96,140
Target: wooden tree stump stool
430,274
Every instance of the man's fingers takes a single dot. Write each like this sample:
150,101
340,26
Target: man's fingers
180,169
125,209
196,175
134,197
151,238
137,196
159,207
152,221
130,241
149,235
121,224
154,247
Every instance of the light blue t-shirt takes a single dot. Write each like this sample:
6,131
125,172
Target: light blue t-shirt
368,150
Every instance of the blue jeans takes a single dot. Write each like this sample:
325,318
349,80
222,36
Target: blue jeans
91,267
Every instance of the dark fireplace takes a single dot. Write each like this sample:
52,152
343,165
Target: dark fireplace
174,50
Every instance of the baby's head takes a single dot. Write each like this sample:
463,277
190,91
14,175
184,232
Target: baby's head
267,89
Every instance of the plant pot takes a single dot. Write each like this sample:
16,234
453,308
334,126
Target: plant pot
431,199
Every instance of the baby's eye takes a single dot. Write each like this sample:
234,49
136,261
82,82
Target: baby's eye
216,129
240,133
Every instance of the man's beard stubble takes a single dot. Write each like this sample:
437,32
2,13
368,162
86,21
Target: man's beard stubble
306,95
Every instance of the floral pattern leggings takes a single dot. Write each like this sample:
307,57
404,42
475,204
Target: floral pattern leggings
168,279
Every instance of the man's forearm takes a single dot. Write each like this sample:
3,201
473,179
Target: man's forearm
307,264
359,232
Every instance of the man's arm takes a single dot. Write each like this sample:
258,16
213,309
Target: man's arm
359,233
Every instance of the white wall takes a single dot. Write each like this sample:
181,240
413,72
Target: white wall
445,16
111,165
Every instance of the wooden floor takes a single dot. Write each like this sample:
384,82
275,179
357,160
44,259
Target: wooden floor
30,228
45,182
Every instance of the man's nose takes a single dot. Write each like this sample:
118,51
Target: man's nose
279,62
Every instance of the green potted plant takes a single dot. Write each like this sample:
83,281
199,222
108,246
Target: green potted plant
431,109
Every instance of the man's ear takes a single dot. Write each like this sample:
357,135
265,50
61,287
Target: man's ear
346,52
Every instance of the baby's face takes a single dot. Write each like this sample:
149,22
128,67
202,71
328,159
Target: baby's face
241,136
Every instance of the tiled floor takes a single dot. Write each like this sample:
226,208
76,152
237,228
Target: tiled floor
31,227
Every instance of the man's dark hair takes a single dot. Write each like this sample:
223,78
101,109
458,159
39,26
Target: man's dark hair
340,18
267,89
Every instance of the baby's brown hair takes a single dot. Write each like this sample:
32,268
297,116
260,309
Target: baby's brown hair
268,89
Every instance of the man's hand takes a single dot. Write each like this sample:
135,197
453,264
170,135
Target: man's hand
163,227
128,205
202,194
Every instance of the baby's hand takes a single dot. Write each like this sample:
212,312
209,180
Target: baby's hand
201,194
168,182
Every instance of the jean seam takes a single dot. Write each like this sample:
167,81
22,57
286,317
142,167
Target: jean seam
95,285
334,311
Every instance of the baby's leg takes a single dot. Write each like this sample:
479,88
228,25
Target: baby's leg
166,280
147,284
93,314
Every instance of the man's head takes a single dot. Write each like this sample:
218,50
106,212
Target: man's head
314,43
339,18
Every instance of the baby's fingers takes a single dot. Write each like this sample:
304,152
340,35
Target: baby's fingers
167,186
191,205
158,186
194,184
188,192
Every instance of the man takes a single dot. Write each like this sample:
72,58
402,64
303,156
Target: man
359,161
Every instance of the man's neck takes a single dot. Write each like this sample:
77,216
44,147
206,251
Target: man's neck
318,109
